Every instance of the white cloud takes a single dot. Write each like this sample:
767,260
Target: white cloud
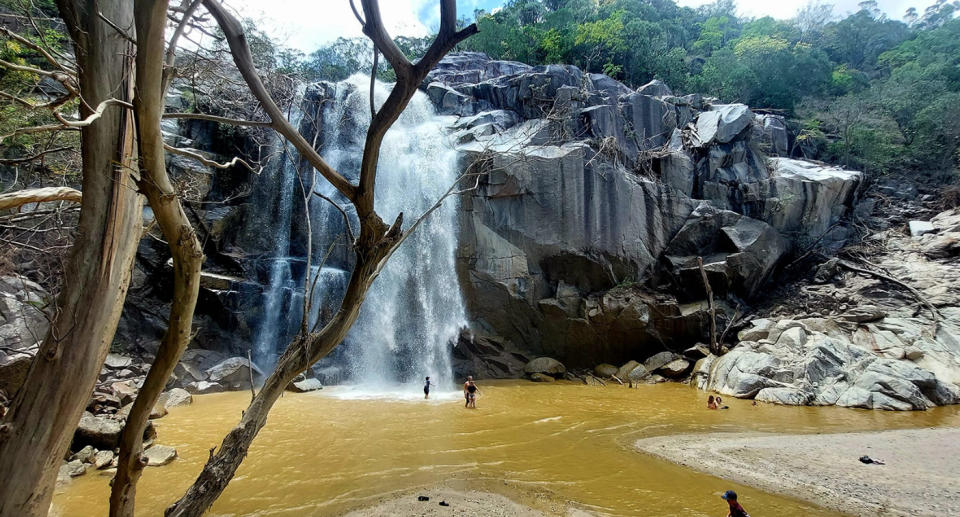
308,24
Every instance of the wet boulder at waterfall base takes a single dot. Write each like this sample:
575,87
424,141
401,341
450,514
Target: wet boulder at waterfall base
233,373
545,366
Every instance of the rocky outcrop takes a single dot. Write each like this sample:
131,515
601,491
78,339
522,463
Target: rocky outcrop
827,361
868,346
589,185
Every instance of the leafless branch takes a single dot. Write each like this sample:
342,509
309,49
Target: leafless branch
208,162
221,120
11,161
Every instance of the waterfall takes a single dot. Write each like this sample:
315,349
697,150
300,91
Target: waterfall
281,287
414,309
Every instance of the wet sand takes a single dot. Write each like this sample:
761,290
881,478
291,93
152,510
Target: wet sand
921,474
460,501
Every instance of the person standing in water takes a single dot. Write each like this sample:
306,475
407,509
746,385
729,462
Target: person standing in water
735,509
426,389
470,391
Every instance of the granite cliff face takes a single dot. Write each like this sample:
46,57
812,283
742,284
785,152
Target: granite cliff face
590,190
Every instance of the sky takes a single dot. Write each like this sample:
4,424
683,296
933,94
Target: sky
309,24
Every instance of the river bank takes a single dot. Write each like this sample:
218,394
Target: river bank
920,475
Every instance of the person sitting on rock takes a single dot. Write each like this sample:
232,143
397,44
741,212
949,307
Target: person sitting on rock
711,403
735,509
470,391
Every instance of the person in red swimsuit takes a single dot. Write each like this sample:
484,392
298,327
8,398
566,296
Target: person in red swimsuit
735,509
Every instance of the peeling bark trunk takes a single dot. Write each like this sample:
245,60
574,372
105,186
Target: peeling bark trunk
38,428
150,22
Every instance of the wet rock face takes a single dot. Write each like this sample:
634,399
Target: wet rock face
588,185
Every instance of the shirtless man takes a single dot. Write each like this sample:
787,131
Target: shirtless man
470,391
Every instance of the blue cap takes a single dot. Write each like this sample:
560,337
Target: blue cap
729,495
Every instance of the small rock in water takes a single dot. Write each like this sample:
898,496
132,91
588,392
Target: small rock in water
159,455
204,387
444,503
423,498
74,468
305,386
177,397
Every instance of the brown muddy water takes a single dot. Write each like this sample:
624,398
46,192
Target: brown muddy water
327,452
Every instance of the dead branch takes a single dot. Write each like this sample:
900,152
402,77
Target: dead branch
714,347
39,195
12,161
221,120
208,162
933,310
244,61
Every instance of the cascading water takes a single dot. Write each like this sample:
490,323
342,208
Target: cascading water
414,309
280,281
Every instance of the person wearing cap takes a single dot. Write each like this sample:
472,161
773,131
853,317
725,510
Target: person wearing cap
735,509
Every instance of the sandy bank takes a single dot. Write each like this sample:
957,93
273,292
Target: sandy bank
921,475
461,502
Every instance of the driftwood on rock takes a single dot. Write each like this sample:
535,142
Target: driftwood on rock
922,299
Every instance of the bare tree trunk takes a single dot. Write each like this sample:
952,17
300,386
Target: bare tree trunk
36,432
150,21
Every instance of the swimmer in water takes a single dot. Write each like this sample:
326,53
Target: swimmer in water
470,391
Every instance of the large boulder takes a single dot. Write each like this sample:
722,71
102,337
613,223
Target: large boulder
722,123
177,397
98,431
233,373
545,365
674,369
738,252
605,370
